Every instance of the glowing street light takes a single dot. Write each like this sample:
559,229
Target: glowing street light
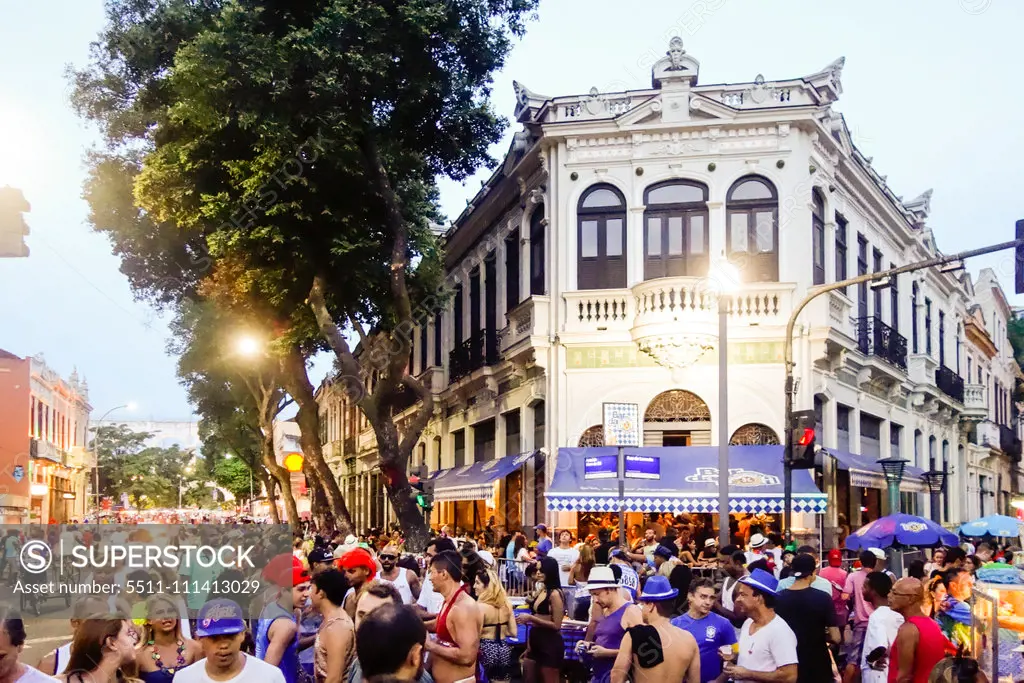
248,346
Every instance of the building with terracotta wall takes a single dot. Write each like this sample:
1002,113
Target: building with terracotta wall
44,463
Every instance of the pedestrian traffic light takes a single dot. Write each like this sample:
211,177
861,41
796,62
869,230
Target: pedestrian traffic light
801,440
1018,279
422,488
12,224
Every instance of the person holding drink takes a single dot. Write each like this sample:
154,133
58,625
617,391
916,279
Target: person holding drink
767,647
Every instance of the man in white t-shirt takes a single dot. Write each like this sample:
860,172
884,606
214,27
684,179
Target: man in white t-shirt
566,555
220,629
767,643
883,624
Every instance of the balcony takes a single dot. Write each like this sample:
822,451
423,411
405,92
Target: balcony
668,307
479,350
975,403
1009,443
875,338
950,383
45,450
528,319
986,433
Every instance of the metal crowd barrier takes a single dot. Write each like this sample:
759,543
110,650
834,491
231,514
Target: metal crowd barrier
513,577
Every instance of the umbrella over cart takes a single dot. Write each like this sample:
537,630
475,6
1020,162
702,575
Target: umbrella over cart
993,525
900,530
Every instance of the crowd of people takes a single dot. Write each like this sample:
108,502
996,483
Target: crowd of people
342,609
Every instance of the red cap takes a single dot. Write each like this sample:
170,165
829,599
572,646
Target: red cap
359,558
835,557
286,570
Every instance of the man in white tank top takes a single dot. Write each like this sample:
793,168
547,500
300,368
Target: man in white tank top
405,581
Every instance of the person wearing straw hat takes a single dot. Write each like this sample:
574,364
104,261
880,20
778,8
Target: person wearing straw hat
619,616
767,643
656,650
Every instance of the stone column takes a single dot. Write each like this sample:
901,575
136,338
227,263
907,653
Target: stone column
634,244
717,230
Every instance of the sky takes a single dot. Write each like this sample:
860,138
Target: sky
931,92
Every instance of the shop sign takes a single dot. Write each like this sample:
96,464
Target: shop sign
601,467
622,424
643,467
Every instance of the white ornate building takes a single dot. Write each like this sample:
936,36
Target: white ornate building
587,270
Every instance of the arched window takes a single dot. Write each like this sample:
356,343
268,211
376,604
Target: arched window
753,209
818,235
594,436
601,239
754,434
676,230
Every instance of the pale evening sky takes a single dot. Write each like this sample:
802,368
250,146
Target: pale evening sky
931,91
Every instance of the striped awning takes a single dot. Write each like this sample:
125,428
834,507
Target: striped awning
475,481
688,482
867,473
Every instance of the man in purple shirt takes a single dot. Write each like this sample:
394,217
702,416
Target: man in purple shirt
862,610
710,630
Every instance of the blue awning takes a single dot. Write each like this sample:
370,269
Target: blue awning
688,482
867,473
475,481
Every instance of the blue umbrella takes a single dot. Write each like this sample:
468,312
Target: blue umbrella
901,529
996,525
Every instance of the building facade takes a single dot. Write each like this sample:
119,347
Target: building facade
43,437
589,269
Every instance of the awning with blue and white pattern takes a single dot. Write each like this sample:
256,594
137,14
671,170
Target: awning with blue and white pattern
475,481
688,482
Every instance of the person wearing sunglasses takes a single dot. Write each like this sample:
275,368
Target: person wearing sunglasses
406,581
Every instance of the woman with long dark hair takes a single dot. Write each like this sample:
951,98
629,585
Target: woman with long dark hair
103,651
165,649
545,650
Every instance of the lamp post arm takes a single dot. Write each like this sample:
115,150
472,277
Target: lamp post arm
817,291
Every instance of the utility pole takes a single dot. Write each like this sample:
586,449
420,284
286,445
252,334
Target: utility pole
815,292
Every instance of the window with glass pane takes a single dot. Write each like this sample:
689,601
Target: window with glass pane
614,232
738,232
818,237
676,236
697,227
588,241
602,246
765,232
654,237
537,252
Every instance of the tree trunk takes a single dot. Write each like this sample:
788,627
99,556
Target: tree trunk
296,383
282,476
320,509
269,482
393,465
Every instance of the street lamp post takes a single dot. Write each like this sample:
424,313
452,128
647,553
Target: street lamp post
893,469
936,480
726,278
96,453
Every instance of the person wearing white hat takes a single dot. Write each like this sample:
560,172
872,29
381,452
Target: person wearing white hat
619,616
758,546
880,565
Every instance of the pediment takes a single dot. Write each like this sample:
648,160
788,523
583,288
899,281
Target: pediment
700,108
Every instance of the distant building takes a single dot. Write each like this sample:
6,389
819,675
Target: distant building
44,465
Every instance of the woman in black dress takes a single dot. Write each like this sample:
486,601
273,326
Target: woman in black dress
545,650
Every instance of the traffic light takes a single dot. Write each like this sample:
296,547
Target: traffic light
12,225
801,440
1018,279
422,488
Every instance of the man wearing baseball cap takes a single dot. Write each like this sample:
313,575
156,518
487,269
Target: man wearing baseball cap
360,570
656,650
767,643
277,629
544,544
812,618
220,629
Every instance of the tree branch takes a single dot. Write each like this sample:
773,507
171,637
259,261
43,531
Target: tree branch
423,415
329,329
360,331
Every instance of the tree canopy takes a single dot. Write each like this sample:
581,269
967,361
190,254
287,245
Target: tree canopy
280,159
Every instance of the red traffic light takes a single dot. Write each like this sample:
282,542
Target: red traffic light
806,438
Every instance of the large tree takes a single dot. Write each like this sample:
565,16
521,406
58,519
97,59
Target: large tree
301,142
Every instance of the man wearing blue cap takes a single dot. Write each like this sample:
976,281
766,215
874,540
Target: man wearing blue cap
220,629
767,649
656,650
